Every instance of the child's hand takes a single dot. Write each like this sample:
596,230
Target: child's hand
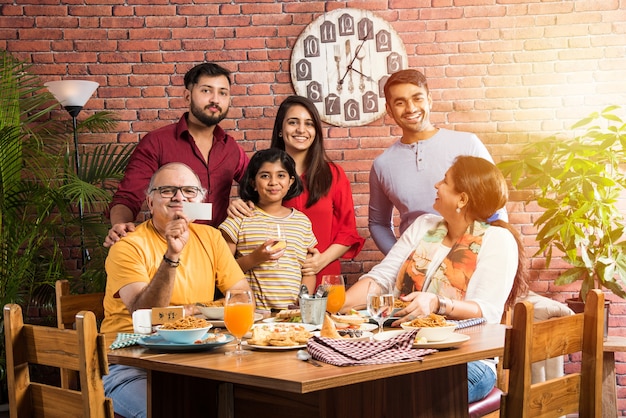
267,251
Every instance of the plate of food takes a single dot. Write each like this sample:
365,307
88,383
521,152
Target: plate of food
455,340
285,316
432,327
208,341
280,336
330,330
352,321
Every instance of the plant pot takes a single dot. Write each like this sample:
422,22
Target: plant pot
578,306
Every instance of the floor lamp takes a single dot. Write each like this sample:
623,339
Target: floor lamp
73,94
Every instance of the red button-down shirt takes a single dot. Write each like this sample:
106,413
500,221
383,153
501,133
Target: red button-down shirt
174,143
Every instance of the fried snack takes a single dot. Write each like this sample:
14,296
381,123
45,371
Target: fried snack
279,335
187,322
329,330
432,320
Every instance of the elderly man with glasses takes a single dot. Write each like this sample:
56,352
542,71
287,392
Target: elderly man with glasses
166,261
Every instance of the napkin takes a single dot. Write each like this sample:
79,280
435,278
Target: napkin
343,352
466,323
126,340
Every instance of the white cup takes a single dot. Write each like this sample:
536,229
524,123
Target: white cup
142,321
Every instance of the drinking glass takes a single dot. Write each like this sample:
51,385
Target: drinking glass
277,234
379,304
336,286
238,317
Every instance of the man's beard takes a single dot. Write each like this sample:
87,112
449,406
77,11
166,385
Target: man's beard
208,120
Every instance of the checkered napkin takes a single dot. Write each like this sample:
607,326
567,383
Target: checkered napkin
126,340
351,353
466,323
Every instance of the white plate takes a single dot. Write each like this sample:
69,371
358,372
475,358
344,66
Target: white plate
455,340
158,343
308,327
220,324
273,347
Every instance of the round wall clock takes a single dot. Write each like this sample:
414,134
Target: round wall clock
341,62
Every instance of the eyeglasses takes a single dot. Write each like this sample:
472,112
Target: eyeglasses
168,192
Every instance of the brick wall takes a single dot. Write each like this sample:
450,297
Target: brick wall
508,71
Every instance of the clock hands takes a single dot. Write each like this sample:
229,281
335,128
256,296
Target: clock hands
350,68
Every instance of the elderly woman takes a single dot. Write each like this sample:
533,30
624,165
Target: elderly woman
456,264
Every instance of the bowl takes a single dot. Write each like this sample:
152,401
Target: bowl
183,336
212,310
431,334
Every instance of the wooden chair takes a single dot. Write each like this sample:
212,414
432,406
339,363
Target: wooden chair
528,342
82,350
489,406
68,306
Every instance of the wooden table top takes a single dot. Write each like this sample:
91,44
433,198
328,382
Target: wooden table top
281,370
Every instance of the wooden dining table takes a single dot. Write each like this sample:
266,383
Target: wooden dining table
276,384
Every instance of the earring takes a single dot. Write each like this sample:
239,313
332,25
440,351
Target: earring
458,210
280,134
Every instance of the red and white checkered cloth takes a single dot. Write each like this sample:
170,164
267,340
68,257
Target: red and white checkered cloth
351,353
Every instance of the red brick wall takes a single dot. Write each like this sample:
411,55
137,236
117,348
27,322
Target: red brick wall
508,71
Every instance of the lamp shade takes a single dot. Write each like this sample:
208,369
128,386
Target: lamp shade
72,92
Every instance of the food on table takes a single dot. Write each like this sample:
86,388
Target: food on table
400,304
212,304
330,329
432,320
187,322
288,315
279,335
212,337
212,310
351,321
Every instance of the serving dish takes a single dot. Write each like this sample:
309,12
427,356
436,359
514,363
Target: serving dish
455,340
182,336
431,334
157,342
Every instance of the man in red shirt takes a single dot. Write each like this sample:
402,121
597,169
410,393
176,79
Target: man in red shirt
196,140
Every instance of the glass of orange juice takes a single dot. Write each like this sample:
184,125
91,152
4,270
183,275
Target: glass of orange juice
336,286
238,317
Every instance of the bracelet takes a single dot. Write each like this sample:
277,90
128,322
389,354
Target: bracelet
451,306
171,263
443,306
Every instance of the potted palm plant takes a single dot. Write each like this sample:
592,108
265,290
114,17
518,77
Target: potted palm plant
578,180
39,190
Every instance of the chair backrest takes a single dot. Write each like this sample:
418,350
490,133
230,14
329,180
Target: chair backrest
82,350
69,305
527,342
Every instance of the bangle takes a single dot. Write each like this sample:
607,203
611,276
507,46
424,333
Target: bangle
171,263
443,306
451,306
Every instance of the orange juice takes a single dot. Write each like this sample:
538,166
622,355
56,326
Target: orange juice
336,298
238,318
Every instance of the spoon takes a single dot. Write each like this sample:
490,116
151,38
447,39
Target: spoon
305,356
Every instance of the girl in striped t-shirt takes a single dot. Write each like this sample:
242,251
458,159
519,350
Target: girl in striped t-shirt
273,270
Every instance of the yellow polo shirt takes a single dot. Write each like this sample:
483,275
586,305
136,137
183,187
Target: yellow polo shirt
205,262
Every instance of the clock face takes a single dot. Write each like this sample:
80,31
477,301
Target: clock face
341,62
